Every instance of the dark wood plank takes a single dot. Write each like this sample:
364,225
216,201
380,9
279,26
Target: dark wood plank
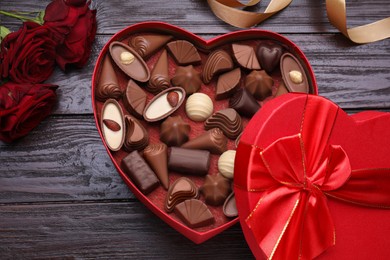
108,230
302,16
62,159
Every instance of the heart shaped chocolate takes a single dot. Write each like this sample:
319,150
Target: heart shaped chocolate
269,56
193,79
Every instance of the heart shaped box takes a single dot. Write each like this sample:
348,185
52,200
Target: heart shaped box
360,232
154,201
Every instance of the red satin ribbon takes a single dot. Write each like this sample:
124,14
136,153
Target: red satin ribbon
291,219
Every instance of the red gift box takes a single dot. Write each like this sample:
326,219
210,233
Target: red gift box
312,181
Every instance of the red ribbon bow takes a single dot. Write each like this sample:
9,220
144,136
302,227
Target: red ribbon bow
291,220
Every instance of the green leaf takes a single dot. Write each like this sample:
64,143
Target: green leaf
40,16
4,31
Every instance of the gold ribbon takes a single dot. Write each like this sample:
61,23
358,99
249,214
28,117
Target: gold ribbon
227,11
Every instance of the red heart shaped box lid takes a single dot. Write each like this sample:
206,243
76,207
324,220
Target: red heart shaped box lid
361,232
196,235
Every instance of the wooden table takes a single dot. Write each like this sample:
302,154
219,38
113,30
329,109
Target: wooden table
60,195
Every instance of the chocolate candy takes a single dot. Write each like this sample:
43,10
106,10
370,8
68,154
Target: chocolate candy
108,83
269,55
184,52
218,61
227,84
199,107
134,99
181,190
228,120
293,74
226,164
174,131
159,78
139,172
259,84
159,107
194,213
245,56
213,140
129,61
281,90
157,157
112,124
137,138
244,103
230,207
189,161
147,44
215,189
187,78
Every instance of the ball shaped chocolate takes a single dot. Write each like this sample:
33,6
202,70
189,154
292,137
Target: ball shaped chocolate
199,107
226,164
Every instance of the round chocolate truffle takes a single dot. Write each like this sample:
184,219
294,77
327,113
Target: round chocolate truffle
174,131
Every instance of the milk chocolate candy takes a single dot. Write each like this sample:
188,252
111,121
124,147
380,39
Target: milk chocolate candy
227,84
174,131
187,78
181,190
245,56
137,138
159,78
259,84
134,99
194,213
228,120
156,156
189,161
213,140
147,44
112,124
183,52
230,207
215,189
139,172
244,103
281,90
293,74
129,61
217,62
108,86
269,55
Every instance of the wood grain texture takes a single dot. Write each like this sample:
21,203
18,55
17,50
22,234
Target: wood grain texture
125,230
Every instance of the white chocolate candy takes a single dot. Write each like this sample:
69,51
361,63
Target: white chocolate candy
127,57
112,111
199,107
226,164
296,76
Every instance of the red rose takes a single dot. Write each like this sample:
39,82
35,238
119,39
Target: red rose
28,55
23,107
75,27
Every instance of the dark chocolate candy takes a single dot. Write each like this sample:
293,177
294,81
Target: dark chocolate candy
147,44
139,172
134,99
259,84
187,78
215,189
137,138
227,84
174,131
194,213
230,207
245,56
269,55
217,62
156,155
228,120
213,140
159,78
244,103
189,161
129,61
181,190
293,74
108,86
184,52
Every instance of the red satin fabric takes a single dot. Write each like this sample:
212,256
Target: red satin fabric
291,219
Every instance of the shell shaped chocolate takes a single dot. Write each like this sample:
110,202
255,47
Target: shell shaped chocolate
181,190
174,131
228,120
194,213
137,138
199,107
112,111
259,84
134,99
159,107
184,52
187,78
245,56
217,62
137,69
213,141
288,65
215,189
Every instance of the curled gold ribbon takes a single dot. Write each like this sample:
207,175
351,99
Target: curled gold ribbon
227,10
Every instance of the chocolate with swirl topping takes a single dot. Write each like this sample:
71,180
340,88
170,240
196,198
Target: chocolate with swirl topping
137,138
156,156
213,140
147,44
108,83
159,79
